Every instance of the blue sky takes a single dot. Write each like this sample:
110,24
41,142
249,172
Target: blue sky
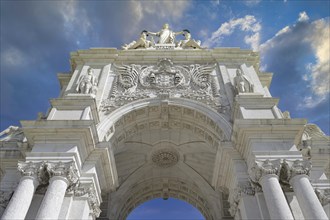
38,36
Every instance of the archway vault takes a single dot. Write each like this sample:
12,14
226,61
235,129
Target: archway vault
165,148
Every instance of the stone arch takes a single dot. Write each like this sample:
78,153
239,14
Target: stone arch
186,131
106,127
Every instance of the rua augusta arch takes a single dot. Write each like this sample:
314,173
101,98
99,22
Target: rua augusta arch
164,118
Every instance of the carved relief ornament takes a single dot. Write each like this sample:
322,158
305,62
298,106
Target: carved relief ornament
237,193
136,82
93,203
323,195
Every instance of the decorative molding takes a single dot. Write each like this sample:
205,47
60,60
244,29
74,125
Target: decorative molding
5,197
237,193
291,169
261,168
91,198
323,195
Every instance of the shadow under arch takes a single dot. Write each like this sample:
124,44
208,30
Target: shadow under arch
107,126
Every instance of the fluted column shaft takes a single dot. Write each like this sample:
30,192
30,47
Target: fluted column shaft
20,202
275,200
266,174
297,175
51,204
307,199
64,176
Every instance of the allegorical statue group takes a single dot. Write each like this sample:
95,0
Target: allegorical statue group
165,37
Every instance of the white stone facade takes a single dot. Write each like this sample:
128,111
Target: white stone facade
195,124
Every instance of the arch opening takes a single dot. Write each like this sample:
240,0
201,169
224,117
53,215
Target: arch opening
171,208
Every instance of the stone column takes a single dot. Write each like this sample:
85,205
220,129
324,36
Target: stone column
297,173
21,200
266,174
63,177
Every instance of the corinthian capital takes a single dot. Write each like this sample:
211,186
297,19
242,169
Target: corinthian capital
66,170
29,168
294,168
262,168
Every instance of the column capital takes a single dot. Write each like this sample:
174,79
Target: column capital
294,168
93,202
323,195
33,169
29,168
64,169
263,168
242,189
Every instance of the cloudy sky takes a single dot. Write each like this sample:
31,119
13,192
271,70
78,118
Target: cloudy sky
292,37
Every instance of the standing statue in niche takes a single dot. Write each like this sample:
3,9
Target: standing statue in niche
142,42
242,83
87,84
166,36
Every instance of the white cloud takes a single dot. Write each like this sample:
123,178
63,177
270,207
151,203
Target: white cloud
303,16
162,9
248,24
316,36
75,18
13,57
251,2
311,101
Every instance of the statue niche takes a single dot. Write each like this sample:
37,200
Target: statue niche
242,83
87,84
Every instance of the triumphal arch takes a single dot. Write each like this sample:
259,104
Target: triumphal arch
165,117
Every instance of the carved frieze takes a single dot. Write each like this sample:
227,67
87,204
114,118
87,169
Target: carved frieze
164,80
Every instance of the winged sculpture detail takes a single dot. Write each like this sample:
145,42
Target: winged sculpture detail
200,74
128,76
